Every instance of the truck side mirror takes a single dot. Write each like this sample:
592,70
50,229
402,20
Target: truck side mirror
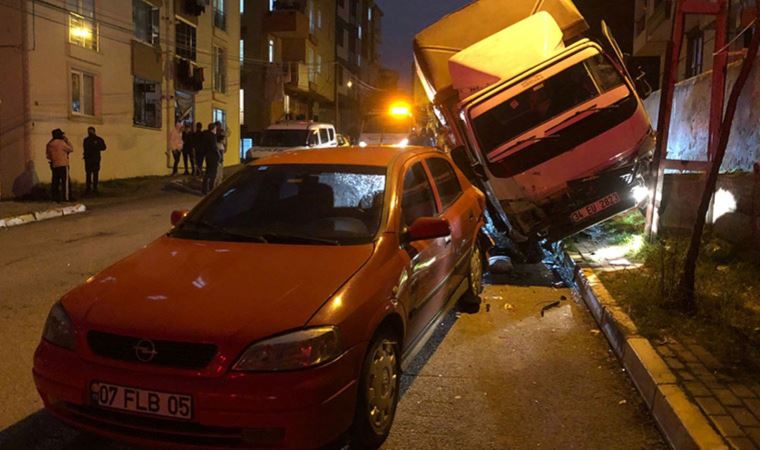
642,85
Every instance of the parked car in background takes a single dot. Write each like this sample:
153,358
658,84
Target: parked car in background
343,140
278,312
293,135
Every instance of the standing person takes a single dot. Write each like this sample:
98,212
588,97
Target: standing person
175,145
188,139
92,145
221,137
199,155
211,154
57,153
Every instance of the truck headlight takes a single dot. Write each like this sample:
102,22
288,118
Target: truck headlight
292,351
59,330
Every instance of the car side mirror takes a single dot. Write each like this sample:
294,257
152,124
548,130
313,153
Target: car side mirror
178,215
426,228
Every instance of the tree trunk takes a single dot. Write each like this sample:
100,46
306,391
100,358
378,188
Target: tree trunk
688,279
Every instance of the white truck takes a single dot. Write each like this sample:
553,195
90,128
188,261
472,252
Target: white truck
546,121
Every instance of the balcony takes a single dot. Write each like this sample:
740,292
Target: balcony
188,75
288,20
298,74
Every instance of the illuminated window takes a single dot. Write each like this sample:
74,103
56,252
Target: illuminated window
219,115
270,53
242,106
82,93
242,50
83,32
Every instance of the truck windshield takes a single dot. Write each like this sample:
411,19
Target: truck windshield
284,138
561,93
303,204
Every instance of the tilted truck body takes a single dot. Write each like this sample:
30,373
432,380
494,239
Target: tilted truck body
549,121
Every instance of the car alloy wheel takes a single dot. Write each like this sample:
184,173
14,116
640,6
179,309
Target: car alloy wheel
382,386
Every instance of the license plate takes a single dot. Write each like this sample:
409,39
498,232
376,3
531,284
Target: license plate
142,401
595,208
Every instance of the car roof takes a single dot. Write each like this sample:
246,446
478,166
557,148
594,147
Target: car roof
381,156
298,125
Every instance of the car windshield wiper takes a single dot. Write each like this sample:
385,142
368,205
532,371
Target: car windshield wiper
294,238
593,109
532,139
226,232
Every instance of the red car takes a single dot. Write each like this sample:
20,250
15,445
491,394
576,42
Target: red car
277,312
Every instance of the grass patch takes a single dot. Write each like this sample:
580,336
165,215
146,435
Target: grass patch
727,320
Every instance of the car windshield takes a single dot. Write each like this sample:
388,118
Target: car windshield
292,204
383,124
556,95
284,138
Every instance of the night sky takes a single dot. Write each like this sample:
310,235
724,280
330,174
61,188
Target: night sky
405,18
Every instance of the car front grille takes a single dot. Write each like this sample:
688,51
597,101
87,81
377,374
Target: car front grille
180,355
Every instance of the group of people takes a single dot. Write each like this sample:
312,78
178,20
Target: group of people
58,150
199,146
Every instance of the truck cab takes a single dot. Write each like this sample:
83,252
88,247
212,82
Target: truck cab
550,121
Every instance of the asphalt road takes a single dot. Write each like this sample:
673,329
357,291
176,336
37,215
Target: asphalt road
501,378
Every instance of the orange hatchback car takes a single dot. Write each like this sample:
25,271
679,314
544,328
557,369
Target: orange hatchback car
276,313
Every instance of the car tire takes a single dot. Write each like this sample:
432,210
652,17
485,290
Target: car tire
475,269
378,395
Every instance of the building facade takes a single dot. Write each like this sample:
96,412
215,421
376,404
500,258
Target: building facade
653,27
309,60
130,68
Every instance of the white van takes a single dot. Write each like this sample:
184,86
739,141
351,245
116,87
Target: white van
293,135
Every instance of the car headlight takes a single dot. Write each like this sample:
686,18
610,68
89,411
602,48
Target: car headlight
292,351
59,330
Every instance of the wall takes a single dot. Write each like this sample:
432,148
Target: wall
690,121
736,210
12,101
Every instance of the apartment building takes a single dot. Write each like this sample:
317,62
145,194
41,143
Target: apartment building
358,40
653,27
130,68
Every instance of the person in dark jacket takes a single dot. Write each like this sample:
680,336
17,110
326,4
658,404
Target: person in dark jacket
208,147
93,145
199,155
188,148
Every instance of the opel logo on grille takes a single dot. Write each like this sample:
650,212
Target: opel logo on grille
145,350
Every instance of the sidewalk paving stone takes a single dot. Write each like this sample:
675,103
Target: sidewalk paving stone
710,405
697,389
743,417
727,426
741,390
754,434
754,405
726,397
742,443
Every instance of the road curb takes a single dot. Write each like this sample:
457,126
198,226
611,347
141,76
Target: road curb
681,421
39,216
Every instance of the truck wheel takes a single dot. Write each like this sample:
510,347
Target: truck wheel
378,392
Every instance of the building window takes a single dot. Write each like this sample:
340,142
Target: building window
146,20
83,32
186,40
310,64
369,14
242,51
242,107
147,102
82,93
270,51
220,116
319,64
220,70
319,19
242,6
695,53
220,19
312,19
271,5
359,32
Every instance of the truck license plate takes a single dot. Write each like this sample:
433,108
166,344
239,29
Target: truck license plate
595,208
142,401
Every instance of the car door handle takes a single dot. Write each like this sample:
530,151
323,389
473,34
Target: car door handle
447,240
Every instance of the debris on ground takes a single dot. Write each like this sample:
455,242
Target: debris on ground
550,306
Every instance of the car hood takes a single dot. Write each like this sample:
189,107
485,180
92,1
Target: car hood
255,150
187,290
